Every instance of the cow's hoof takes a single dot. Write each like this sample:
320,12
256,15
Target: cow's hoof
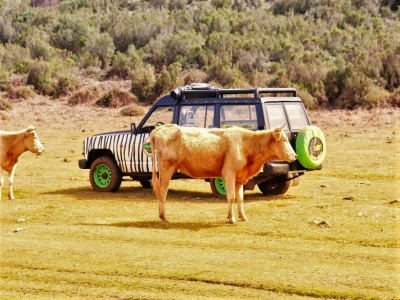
164,219
244,219
232,221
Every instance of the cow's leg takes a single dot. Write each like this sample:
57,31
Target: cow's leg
1,180
230,196
165,178
239,200
11,180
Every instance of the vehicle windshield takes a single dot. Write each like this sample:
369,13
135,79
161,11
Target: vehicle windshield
162,114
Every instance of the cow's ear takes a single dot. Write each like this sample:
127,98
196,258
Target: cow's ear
30,134
277,134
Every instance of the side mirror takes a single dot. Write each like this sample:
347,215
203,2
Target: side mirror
133,128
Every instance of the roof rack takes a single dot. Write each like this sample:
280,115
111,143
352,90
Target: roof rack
176,93
205,90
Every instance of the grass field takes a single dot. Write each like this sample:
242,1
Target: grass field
335,236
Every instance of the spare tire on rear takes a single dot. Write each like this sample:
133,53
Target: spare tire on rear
311,147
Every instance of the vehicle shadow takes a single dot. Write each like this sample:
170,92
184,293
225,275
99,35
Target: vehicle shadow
138,193
134,194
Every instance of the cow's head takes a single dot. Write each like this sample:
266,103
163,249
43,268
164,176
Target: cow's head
32,142
282,148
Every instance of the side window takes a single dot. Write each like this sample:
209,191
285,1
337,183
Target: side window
238,115
276,115
161,114
196,116
297,117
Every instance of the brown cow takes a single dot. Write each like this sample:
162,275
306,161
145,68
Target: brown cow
12,145
235,154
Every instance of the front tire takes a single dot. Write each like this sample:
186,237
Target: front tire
105,175
275,186
218,187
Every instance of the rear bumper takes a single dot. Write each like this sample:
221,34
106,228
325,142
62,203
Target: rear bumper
276,168
83,164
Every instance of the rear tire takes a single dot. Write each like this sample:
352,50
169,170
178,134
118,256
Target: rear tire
275,186
105,175
145,184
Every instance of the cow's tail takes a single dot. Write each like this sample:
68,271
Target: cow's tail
155,180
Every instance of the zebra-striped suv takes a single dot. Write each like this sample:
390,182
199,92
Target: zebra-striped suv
114,155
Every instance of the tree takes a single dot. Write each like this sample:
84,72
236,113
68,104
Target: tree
71,33
7,31
102,46
143,81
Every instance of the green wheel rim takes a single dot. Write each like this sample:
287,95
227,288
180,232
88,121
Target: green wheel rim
220,186
102,175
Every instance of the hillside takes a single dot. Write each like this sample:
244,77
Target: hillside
338,53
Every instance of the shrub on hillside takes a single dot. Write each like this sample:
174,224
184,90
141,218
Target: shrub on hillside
39,75
116,98
22,92
81,97
4,79
195,75
5,104
309,101
66,85
143,81
120,66
168,79
133,111
394,98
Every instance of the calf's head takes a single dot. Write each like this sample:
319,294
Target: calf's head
281,146
32,142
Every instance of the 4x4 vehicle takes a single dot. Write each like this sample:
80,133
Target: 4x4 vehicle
111,156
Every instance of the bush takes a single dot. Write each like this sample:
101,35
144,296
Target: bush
195,75
394,98
5,104
39,75
66,85
133,111
24,92
116,98
81,97
309,101
4,80
143,81
120,66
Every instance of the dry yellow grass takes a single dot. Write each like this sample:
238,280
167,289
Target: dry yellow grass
310,243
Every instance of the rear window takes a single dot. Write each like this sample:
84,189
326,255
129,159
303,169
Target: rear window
296,115
276,115
291,114
239,115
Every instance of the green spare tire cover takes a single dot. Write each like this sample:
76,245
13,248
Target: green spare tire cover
310,147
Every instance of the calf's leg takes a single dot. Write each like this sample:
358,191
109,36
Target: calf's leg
11,180
1,180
